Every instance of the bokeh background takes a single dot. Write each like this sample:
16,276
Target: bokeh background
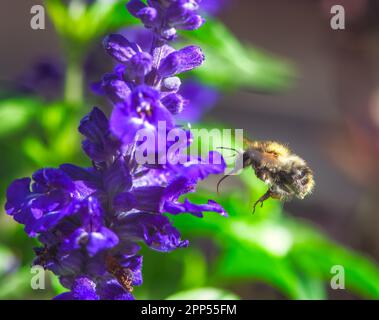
276,69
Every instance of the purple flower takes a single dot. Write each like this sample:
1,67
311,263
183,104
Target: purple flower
86,289
142,111
42,204
91,222
165,17
181,61
82,289
99,145
137,63
143,88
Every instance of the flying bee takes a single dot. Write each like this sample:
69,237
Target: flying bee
286,174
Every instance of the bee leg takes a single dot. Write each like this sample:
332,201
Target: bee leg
232,172
262,199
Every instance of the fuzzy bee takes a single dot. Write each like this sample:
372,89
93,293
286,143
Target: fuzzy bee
123,275
286,174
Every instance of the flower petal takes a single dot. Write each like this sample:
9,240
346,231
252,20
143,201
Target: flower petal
155,230
112,290
17,193
117,178
195,209
174,103
101,240
119,47
99,145
180,61
83,289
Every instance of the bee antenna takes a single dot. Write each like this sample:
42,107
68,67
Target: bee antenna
226,148
219,182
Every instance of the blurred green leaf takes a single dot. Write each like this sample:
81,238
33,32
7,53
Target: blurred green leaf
15,114
17,285
286,253
56,285
194,277
204,294
7,260
81,23
316,254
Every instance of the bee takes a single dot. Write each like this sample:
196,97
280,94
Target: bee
286,174
123,275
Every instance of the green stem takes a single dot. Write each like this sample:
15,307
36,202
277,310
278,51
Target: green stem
74,82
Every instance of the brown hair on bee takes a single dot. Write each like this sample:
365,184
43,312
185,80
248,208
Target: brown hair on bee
123,275
286,174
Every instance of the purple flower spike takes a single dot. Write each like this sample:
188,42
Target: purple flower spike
91,222
165,17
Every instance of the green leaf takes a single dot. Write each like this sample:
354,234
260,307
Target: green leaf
15,114
17,285
56,285
290,255
243,263
80,23
204,294
316,254
194,277
36,150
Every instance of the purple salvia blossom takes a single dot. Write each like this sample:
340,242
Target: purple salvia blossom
92,221
164,17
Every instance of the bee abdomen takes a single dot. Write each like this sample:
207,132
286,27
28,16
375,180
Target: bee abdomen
303,181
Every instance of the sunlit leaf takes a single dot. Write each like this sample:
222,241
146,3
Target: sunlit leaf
15,114
82,23
290,255
15,284
204,294
56,285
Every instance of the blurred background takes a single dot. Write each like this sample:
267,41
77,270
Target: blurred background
276,69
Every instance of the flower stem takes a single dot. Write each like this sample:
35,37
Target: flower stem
73,88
